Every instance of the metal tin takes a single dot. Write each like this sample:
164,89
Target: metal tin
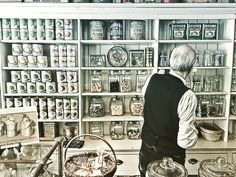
32,34
74,114
24,34
40,23
137,30
59,23
54,50
59,114
68,33
26,101
46,76
32,61
42,61
27,49
23,23
62,87
12,60
43,114
15,76
6,23
51,103
17,49
49,24
61,76
62,61
51,114
9,102
41,34
116,30
34,101
71,76
70,62
59,104
40,87
71,50
50,87
18,102
67,114
60,34
11,126
74,103
37,49
62,49
35,76
2,128
15,34
6,34
15,23
22,61
68,23
25,76
66,103
72,87
42,102
11,87
32,23
31,87
21,87
149,56
49,34
97,30
54,61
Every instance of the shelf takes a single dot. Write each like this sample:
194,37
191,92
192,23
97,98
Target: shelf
233,93
210,118
44,94
194,41
109,42
57,120
201,67
42,68
108,117
117,68
42,41
210,93
110,93
232,117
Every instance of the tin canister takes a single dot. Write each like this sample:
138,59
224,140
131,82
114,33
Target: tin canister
137,30
15,76
71,62
97,30
6,23
9,102
23,23
6,34
34,101
40,23
70,50
24,34
54,50
62,50
68,33
51,102
35,76
40,87
18,102
26,101
49,34
21,87
74,104
71,76
17,49
51,113
43,114
50,87
22,61
32,61
37,49
42,61
74,114
32,23
25,76
42,102
15,34
59,114
61,76
41,34
15,23
67,114
27,49
59,23
11,87
54,61
62,87
46,76
60,35
26,128
62,61
68,23
59,103
12,60
49,24
31,87
66,103
32,34
116,30
11,126
72,87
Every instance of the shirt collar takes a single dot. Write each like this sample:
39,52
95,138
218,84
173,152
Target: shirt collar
173,73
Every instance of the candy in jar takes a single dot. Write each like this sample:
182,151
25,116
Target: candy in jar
114,81
141,78
125,82
133,130
136,106
26,126
96,84
96,128
96,107
116,106
117,130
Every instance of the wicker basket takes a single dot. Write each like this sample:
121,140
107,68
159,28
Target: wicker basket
210,132
74,165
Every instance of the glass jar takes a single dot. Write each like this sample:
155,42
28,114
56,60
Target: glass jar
70,130
218,58
133,130
96,84
116,30
216,168
233,105
141,78
233,86
137,30
117,130
203,107
96,107
116,106
197,83
125,81
114,81
218,83
219,106
207,58
96,128
136,106
163,59
26,126
2,128
208,83
11,126
97,30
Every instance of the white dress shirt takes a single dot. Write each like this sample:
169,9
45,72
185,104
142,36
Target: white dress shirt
187,135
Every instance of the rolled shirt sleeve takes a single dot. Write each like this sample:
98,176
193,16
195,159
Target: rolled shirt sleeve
187,134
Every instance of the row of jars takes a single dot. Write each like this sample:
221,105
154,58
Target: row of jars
116,106
207,58
211,106
117,129
118,82
206,83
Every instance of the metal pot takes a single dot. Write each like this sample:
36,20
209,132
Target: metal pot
216,168
166,168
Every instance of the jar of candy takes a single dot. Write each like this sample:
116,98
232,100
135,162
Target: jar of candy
96,82
70,130
11,126
96,107
26,126
114,81
117,130
197,83
218,58
96,128
141,78
207,58
204,108
219,106
218,83
133,130
116,30
209,84
116,106
136,106
125,81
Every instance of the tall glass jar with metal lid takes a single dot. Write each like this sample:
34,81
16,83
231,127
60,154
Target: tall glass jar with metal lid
116,106
219,106
96,107
133,130
117,130
136,106
141,78
125,81
96,82
114,81
96,128
116,30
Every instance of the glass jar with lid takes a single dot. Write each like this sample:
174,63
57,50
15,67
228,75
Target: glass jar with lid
116,106
133,130
136,106
141,78
218,83
163,59
116,30
216,168
96,128
114,81
96,82
207,58
70,130
218,58
208,83
117,130
96,107
233,105
197,83
203,107
125,81
219,106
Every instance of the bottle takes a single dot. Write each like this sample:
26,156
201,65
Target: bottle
96,82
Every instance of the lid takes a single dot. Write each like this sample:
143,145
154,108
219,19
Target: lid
166,168
218,167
